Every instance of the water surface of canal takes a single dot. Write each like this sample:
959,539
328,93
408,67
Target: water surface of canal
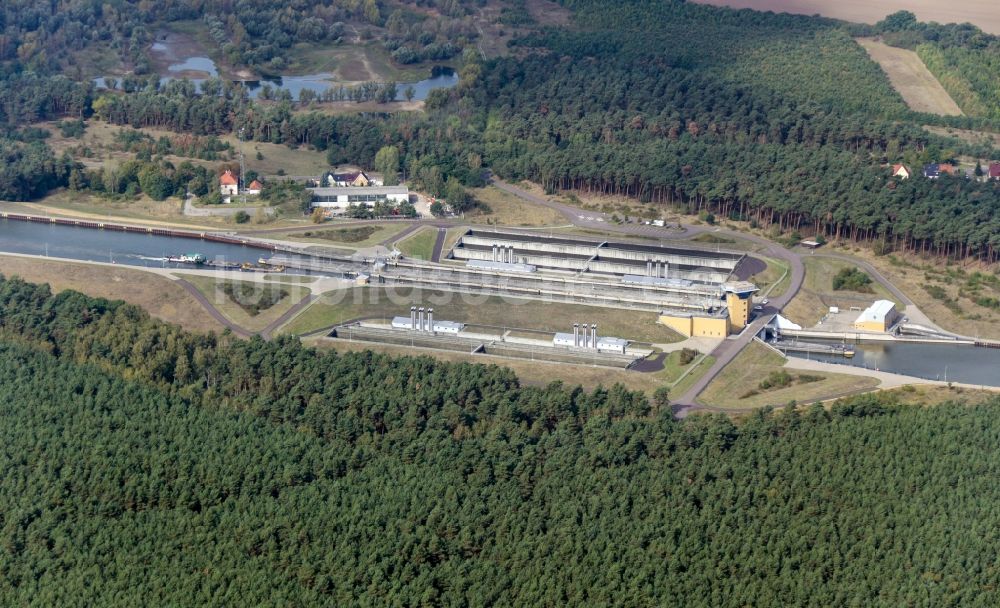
134,249
945,362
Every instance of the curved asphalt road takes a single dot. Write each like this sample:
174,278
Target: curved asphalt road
725,352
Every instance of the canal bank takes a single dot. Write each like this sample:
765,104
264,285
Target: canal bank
945,363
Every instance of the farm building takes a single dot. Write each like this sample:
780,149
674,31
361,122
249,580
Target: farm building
880,316
340,198
356,179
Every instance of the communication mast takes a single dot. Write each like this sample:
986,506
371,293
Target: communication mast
241,182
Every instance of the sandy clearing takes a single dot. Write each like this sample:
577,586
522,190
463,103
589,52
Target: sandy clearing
911,78
983,13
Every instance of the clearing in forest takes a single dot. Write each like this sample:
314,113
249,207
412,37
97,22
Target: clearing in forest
911,78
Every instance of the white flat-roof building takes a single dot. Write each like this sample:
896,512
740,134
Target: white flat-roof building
402,323
339,198
563,339
612,345
448,327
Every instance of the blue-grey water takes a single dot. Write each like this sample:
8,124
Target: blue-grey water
946,362
441,78
130,248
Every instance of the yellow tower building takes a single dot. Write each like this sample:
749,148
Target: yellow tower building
739,301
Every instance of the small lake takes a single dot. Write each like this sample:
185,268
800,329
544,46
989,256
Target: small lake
945,362
441,78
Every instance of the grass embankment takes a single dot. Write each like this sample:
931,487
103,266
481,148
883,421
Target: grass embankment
345,236
342,305
509,210
773,280
420,244
238,301
756,378
536,373
818,295
160,296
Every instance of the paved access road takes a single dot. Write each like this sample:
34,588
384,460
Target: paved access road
729,348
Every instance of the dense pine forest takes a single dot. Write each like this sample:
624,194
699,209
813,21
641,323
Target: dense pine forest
144,465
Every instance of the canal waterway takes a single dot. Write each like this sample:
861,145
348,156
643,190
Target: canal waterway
946,362
131,248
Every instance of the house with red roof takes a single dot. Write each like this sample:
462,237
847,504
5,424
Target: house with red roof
900,171
228,184
994,171
255,187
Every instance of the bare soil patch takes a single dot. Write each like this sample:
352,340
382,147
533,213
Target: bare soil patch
159,296
911,79
546,13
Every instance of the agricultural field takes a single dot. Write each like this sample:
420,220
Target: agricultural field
757,377
911,78
982,13
158,295
367,302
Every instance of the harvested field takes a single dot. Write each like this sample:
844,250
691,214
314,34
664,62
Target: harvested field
983,13
157,295
911,78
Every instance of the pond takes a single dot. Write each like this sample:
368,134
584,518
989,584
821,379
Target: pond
197,69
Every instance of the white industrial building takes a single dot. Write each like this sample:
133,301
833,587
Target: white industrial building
422,319
340,198
585,336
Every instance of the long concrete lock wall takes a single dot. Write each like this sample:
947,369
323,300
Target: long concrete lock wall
579,263
536,247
